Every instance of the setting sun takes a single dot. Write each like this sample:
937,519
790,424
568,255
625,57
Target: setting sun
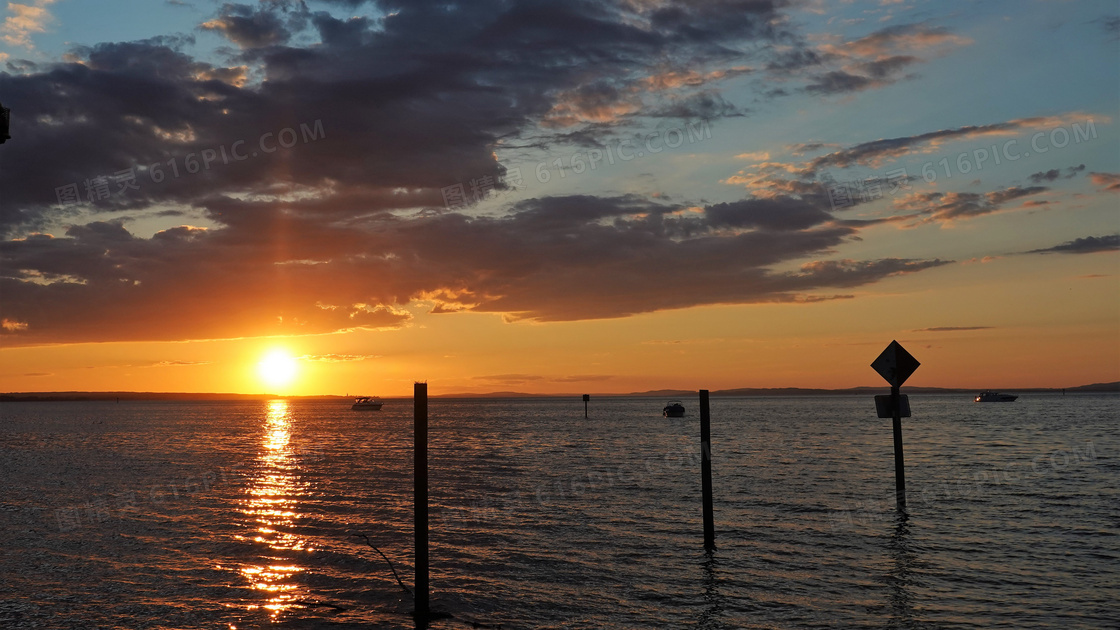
277,368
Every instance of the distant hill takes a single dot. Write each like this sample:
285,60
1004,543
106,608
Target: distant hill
869,390
1095,388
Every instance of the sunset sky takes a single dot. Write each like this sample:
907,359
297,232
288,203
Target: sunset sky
546,196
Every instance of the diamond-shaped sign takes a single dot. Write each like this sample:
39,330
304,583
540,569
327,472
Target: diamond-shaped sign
895,364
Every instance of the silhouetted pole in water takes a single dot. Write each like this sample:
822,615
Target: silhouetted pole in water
895,365
706,471
5,123
899,468
420,460
586,397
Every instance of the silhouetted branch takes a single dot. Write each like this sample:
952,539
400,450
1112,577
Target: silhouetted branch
391,568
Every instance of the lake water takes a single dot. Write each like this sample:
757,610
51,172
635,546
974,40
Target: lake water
241,515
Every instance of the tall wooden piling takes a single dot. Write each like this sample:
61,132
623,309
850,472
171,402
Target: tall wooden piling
899,468
586,397
420,491
5,123
706,471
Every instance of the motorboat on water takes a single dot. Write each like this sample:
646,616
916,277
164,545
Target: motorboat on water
371,403
989,396
674,409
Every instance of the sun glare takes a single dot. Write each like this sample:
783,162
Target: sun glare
277,368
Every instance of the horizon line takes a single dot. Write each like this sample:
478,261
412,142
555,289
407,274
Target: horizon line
1102,387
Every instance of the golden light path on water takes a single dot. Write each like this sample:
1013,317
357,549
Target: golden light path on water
272,506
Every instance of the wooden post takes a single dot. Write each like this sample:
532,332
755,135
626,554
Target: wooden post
706,471
899,469
5,123
420,490
586,397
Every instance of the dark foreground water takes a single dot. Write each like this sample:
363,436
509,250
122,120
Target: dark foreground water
240,515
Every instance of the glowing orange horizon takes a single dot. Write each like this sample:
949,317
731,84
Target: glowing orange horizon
825,345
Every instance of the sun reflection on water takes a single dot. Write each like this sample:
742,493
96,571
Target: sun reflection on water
272,507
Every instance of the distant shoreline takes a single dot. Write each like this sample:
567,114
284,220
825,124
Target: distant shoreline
1096,388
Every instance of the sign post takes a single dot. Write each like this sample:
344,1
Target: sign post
896,365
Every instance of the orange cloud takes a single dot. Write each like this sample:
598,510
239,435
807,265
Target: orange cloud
982,261
574,109
672,79
11,325
25,20
1107,181
895,39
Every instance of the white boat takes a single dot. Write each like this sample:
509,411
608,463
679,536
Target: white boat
673,410
989,396
372,403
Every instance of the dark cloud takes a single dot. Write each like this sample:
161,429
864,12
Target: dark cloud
702,106
854,273
779,213
952,328
885,67
837,82
810,147
950,206
274,271
715,20
350,33
416,100
248,26
796,59
1086,245
345,230
800,178
1111,25
866,75
1045,176
875,152
1055,173
873,61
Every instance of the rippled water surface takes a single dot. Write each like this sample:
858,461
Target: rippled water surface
243,515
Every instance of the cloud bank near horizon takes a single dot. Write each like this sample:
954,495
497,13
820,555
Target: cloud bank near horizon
347,227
